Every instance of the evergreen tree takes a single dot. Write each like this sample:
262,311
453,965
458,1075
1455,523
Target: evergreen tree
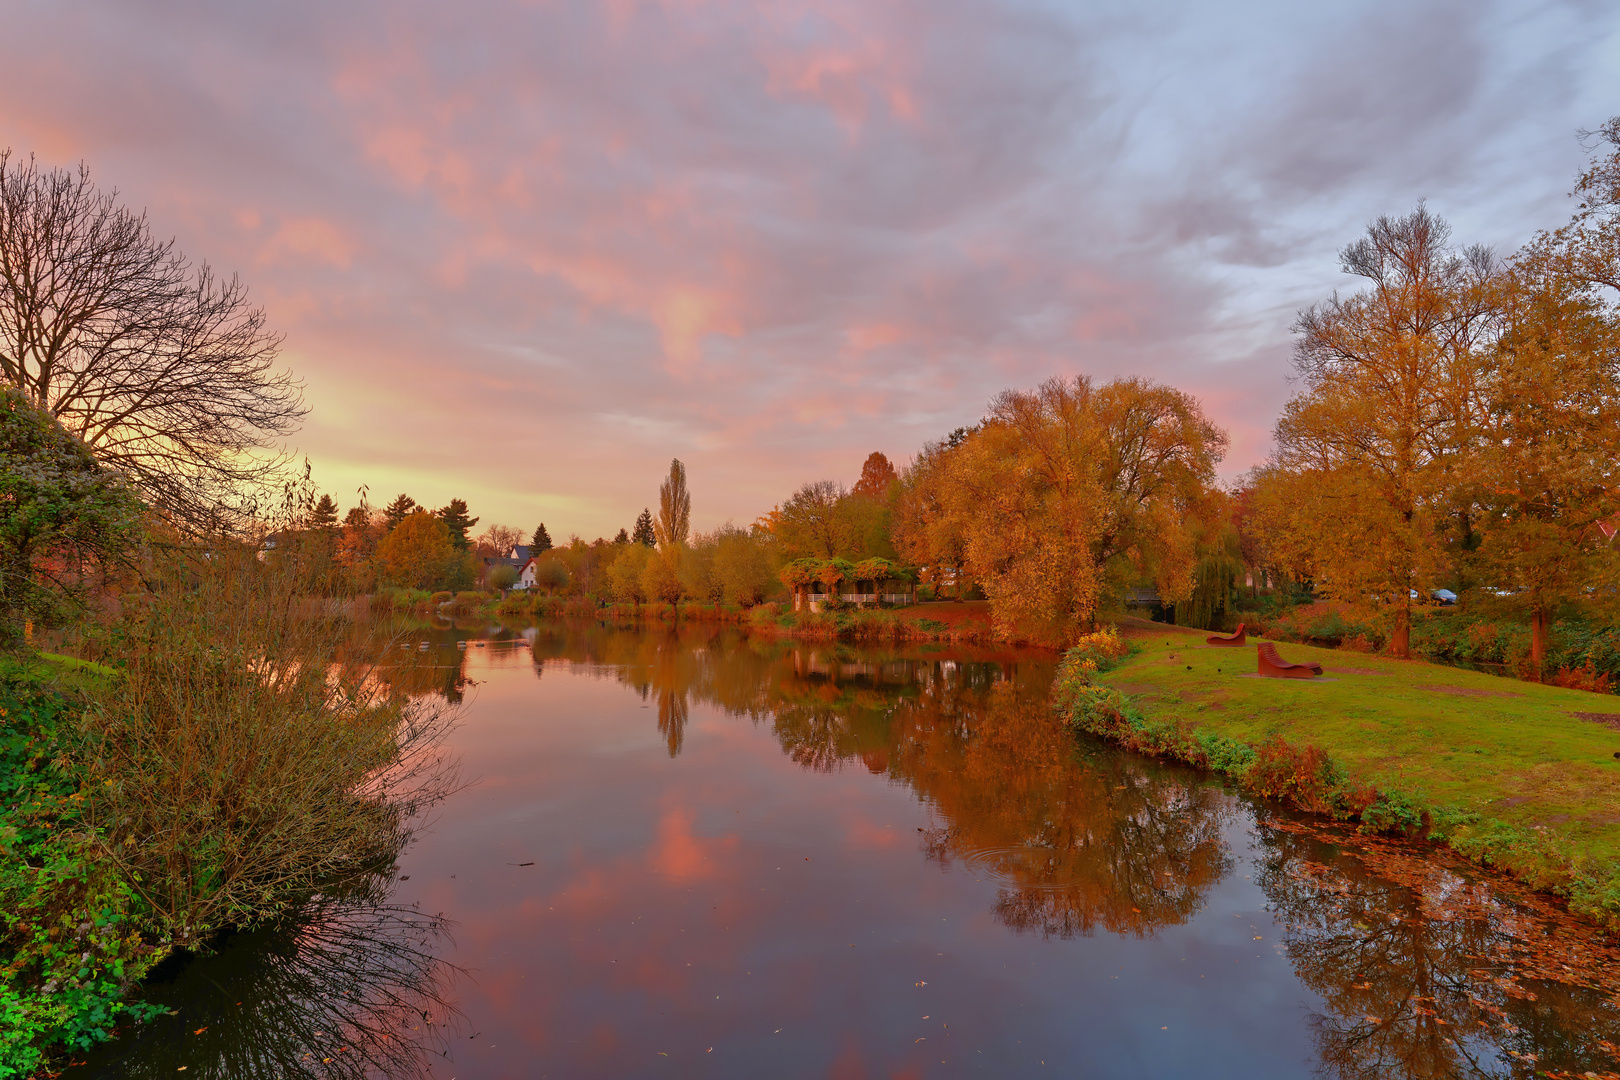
325,514
454,516
644,529
541,541
622,538
397,511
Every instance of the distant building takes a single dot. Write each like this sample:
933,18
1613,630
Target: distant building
517,560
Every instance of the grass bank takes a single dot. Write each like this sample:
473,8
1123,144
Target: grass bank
1519,776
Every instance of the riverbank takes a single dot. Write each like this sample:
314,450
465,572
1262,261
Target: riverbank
1519,776
961,623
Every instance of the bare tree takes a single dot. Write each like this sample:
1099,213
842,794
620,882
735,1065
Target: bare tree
163,369
499,540
674,507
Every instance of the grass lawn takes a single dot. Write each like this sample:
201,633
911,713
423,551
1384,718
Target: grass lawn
1511,751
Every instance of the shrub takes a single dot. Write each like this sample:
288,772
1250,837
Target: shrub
1585,677
1100,650
248,754
68,949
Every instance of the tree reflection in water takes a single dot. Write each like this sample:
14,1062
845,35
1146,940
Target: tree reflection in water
1075,840
1426,972
350,989
1422,970
1408,961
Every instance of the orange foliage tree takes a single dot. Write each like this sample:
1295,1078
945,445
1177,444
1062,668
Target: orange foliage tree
1368,451
1067,492
415,554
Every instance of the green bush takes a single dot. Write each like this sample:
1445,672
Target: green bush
69,948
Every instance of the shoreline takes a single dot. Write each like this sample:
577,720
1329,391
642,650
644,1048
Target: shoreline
1512,780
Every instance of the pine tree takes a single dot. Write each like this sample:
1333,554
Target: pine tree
644,529
622,538
454,516
398,510
325,514
541,541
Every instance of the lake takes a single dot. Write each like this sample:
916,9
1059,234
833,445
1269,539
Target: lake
700,854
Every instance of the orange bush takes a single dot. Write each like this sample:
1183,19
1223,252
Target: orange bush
1585,677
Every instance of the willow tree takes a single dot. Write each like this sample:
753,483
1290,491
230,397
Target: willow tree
1371,448
162,369
674,508
1067,492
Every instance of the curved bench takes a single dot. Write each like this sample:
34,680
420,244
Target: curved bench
1276,667
1236,637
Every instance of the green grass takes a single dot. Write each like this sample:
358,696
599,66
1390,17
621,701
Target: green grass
1509,751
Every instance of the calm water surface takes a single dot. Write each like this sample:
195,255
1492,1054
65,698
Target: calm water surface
701,855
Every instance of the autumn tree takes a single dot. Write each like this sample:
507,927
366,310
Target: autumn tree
397,511
417,552
644,534
621,537
625,575
926,531
1069,491
1371,447
357,548
876,476
162,369
454,516
810,523
744,565
1547,419
551,574
541,540
674,508
661,576
1217,560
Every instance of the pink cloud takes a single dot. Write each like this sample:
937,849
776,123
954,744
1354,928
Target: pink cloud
769,237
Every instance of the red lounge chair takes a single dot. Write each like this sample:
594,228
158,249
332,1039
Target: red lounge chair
1276,667
1237,637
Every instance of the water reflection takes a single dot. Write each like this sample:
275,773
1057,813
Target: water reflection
1425,971
351,988
1409,969
1422,972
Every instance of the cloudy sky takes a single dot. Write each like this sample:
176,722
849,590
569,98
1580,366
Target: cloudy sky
525,253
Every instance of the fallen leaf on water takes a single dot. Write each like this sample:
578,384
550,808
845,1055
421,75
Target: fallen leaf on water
200,1030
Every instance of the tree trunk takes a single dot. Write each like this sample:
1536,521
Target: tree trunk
1400,642
1540,621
